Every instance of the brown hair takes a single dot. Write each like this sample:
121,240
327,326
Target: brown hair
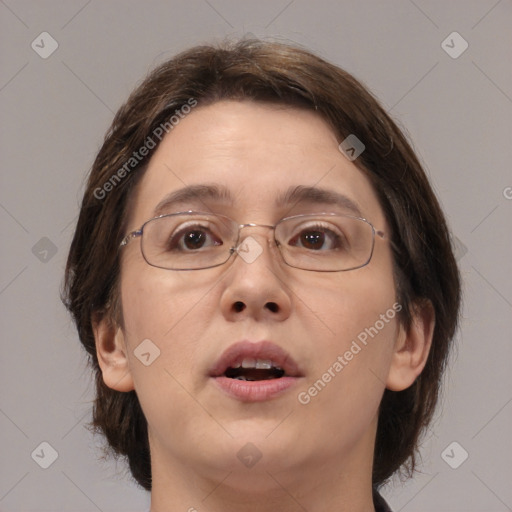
424,264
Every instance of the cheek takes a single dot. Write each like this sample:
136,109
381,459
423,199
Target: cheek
348,378
159,307
363,333
155,301
171,312
360,311
353,301
345,386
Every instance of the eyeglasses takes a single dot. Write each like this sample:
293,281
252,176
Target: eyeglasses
324,242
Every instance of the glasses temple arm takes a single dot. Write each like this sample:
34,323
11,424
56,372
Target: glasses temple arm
130,236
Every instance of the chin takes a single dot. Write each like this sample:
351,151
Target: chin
254,456
257,476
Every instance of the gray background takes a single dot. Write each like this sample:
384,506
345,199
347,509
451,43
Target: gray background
54,113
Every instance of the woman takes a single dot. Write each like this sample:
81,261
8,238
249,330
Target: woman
265,284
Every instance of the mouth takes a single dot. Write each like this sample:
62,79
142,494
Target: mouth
254,372
254,369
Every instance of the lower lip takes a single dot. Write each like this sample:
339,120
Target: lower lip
255,390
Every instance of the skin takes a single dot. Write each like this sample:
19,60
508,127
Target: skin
316,456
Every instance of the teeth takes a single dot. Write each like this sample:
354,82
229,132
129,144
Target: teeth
259,364
248,363
263,364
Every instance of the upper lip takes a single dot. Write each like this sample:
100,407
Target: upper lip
266,350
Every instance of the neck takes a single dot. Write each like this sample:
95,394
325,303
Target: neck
324,483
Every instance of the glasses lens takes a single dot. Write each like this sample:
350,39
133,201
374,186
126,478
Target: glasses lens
188,241
328,242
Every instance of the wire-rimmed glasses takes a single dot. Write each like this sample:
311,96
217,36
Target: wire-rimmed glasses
322,242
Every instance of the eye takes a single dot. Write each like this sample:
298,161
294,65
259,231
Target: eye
192,238
318,238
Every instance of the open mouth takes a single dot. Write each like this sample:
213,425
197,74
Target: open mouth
251,370
255,371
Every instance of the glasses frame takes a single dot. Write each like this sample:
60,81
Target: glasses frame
139,233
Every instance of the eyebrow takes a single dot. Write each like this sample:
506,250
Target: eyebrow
317,196
194,194
220,194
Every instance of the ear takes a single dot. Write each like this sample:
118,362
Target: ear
412,348
112,354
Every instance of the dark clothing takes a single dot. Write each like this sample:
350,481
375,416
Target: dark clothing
379,503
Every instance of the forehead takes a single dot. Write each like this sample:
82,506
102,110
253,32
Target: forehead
258,159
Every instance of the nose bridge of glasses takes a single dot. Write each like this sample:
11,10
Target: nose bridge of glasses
242,236
247,245
253,225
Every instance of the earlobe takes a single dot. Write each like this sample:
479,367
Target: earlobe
112,354
412,348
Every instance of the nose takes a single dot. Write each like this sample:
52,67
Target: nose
255,283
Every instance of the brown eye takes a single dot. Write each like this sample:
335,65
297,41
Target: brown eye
193,240
312,239
318,238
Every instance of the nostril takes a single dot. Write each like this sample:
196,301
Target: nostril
238,306
272,306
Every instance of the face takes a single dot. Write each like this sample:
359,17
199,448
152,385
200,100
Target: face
324,415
